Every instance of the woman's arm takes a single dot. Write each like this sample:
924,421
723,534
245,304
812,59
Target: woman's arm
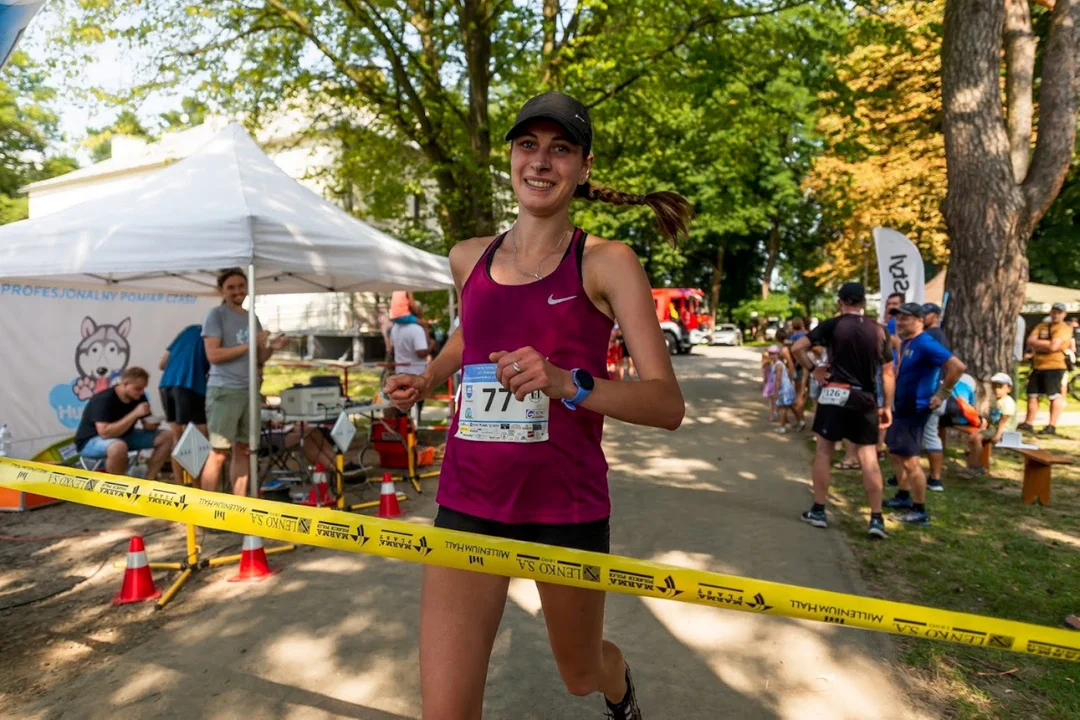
614,279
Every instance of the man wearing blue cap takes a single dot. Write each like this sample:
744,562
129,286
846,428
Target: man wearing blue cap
933,442
918,393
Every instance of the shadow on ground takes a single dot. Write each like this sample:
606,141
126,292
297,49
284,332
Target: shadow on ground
334,635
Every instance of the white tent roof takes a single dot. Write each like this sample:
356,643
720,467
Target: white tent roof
227,205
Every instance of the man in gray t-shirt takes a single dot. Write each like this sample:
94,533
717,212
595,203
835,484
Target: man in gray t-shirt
231,327
225,335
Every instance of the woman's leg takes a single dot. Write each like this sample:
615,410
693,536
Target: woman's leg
459,617
575,624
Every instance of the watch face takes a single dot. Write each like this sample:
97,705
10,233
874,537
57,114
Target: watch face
584,379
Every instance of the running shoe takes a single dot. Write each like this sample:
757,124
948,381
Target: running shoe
1025,427
913,517
935,485
627,708
892,481
877,529
801,426
1048,430
781,430
898,503
815,518
973,471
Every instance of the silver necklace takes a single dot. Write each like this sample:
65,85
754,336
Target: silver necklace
535,273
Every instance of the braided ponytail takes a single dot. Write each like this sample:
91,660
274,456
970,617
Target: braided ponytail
673,211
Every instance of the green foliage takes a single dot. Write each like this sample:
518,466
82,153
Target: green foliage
28,124
99,140
1054,251
192,112
776,305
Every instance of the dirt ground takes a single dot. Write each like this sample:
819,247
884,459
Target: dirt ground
334,634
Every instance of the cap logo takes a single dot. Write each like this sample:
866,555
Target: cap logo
580,118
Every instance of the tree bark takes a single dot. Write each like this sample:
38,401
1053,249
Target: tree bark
1019,83
989,215
772,248
717,279
477,23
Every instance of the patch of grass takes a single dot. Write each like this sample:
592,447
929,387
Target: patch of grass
278,377
986,553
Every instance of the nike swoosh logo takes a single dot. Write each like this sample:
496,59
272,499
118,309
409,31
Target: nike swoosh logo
553,301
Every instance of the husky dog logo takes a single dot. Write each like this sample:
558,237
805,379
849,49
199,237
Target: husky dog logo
101,356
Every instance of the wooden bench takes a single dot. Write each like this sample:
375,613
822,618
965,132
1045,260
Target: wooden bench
1037,465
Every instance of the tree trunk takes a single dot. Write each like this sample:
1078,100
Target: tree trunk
477,22
717,278
984,208
989,214
772,247
1019,83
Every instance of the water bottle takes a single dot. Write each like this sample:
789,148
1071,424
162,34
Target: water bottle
5,441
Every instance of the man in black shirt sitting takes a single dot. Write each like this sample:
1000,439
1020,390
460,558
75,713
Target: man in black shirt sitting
848,408
107,428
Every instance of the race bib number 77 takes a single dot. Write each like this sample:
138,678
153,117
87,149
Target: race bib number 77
490,413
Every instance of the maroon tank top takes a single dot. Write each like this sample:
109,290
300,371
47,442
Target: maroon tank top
562,480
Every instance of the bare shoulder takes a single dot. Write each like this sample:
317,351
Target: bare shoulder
465,254
609,255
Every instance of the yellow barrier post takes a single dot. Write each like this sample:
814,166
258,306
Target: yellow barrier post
325,527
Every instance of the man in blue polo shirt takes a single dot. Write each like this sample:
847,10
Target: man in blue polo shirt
183,384
917,395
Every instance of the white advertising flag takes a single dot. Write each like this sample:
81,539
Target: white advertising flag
900,266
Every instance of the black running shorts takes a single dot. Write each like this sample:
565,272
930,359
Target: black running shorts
183,406
594,536
856,422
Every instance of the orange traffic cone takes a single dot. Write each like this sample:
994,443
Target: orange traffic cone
253,564
319,495
138,583
388,502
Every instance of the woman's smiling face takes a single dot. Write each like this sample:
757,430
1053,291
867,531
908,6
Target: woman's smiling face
546,167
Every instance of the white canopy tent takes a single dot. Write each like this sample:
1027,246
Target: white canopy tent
227,205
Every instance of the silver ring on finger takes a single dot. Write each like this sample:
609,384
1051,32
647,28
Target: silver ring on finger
517,368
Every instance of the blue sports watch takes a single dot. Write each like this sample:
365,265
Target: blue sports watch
584,383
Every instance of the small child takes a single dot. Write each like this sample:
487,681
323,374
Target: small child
768,390
784,388
1002,419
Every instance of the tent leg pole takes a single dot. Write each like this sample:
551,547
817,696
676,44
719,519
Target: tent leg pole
254,416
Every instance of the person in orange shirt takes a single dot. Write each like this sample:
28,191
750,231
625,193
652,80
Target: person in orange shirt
1048,341
403,308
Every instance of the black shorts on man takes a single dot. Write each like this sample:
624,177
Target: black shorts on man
905,436
1045,382
183,406
855,421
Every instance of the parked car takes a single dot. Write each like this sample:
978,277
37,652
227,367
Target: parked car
727,334
771,328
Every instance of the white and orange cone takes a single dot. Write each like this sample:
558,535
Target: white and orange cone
138,582
320,495
253,564
388,502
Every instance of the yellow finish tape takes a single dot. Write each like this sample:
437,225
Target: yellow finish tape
338,530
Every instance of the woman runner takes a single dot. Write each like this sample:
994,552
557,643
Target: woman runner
524,459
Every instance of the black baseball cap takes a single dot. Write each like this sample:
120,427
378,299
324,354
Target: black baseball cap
558,107
912,309
931,308
852,293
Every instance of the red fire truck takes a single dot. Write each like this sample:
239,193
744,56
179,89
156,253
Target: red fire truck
683,316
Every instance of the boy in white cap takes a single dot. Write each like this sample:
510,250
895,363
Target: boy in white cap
1002,419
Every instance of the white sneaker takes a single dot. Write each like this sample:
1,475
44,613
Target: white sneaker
781,430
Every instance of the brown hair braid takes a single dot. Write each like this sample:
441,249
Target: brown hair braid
673,211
